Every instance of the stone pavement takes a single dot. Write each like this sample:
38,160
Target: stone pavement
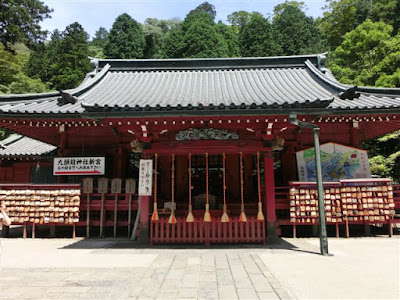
120,269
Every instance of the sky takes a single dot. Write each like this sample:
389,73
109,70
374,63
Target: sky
92,14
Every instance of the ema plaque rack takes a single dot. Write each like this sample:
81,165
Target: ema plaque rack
353,201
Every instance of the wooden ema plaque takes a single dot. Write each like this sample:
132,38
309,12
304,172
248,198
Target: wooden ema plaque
102,185
304,205
116,186
373,203
368,203
42,206
87,185
130,186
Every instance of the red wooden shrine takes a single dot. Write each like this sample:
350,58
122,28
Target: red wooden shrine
220,131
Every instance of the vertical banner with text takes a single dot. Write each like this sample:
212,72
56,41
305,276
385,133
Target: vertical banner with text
145,177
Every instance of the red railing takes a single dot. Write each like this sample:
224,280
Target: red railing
215,232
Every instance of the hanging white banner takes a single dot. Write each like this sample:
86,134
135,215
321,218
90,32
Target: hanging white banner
145,177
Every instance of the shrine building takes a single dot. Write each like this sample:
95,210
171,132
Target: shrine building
218,133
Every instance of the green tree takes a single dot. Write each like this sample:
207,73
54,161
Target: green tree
257,38
12,78
126,39
72,64
387,11
199,36
202,39
19,21
238,19
205,7
39,65
341,17
297,33
154,33
173,43
231,37
281,8
100,37
384,155
368,56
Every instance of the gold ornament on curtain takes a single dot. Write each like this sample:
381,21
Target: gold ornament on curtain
224,217
154,217
207,216
190,217
242,217
260,215
172,219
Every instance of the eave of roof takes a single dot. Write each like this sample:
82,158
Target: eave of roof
20,146
195,87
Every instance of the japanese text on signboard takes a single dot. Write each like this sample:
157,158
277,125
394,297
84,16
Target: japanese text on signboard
145,177
79,165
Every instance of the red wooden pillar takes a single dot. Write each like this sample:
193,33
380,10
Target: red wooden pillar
61,150
269,201
248,178
288,162
232,180
355,141
182,179
144,218
165,178
118,159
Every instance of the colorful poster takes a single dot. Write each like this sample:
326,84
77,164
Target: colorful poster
338,162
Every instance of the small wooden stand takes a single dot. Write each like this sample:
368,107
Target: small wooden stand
87,189
130,188
102,189
116,189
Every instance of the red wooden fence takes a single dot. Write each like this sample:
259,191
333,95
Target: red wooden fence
215,232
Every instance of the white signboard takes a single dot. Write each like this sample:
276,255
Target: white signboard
338,162
79,166
145,177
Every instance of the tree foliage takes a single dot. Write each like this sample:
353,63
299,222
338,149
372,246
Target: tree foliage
155,31
199,36
296,33
387,11
126,39
19,22
369,55
173,43
205,7
385,155
12,78
258,38
100,37
281,8
341,17
63,63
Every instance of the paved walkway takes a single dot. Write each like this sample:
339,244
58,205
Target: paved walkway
119,269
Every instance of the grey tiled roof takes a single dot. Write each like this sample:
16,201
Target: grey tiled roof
273,83
18,145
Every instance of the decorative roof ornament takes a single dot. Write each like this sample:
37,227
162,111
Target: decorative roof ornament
278,143
66,98
350,94
137,147
205,134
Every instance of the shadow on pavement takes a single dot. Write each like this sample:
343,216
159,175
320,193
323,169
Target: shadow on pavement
120,243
